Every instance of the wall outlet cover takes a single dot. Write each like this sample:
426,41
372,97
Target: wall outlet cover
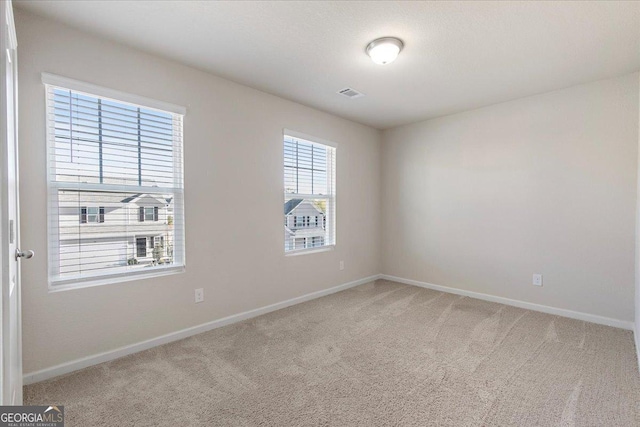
537,280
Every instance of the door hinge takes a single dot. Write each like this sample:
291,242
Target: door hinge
11,232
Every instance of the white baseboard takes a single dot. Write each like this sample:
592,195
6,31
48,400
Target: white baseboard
74,365
593,318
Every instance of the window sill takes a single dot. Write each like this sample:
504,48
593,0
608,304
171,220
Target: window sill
68,285
296,252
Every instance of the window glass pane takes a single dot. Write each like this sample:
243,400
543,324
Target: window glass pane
305,167
148,213
305,219
117,243
104,141
92,214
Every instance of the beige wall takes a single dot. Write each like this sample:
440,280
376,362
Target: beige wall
546,184
233,167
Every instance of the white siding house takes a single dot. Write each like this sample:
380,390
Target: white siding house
106,230
304,224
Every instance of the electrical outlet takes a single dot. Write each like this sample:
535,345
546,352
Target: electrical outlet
199,295
341,265
537,280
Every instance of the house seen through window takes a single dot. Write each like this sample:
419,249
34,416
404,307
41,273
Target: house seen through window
115,187
309,194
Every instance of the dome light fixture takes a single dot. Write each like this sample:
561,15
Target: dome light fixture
384,50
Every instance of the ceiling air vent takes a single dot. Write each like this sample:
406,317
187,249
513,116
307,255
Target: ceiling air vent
350,93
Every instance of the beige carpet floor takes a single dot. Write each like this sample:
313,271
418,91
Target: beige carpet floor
378,354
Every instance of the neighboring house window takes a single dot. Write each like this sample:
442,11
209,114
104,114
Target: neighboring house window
309,191
148,213
300,243
91,215
115,158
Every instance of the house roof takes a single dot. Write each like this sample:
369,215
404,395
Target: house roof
291,205
131,198
135,197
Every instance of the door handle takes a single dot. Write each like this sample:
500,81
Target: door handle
25,255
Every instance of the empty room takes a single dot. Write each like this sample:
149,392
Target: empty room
320,213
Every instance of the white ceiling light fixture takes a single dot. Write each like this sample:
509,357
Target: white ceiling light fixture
384,50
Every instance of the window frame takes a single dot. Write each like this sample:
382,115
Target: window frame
86,214
331,216
151,211
55,282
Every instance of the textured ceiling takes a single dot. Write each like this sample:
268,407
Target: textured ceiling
458,55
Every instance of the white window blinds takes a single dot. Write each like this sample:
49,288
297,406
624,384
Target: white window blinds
309,193
115,178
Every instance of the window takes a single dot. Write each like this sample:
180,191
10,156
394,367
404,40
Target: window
91,215
114,158
300,243
309,192
148,213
